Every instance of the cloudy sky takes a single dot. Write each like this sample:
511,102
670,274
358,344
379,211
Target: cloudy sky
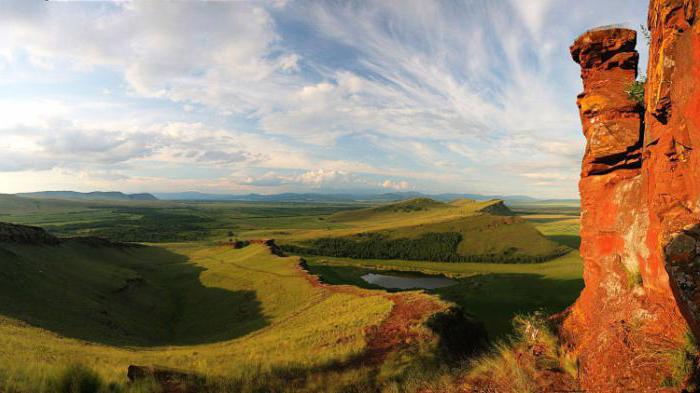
237,97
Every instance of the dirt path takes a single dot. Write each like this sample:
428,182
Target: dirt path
400,330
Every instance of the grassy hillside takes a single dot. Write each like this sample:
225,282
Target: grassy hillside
251,319
224,313
162,221
463,230
11,205
121,295
423,229
94,196
492,292
412,210
557,220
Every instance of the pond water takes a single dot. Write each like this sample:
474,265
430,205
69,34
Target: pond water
406,281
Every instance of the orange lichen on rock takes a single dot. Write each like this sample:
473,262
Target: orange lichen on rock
640,204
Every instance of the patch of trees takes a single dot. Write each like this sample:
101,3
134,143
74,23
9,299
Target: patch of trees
438,247
152,226
413,205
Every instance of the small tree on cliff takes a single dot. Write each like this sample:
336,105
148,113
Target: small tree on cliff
636,90
646,33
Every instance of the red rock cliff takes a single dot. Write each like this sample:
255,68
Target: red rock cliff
640,200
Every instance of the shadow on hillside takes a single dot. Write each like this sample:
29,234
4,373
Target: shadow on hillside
163,303
496,298
573,241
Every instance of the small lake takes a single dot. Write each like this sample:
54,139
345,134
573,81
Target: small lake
408,281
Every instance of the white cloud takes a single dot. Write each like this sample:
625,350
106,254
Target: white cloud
449,96
321,176
399,186
533,13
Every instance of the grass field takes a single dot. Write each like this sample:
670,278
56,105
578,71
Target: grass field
246,315
492,292
164,221
466,230
484,230
217,311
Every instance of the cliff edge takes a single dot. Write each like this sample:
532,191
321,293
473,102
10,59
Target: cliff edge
634,326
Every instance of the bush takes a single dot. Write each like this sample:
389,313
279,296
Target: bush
432,246
516,365
460,335
683,363
77,379
152,225
636,91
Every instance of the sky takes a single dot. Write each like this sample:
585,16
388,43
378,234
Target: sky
296,96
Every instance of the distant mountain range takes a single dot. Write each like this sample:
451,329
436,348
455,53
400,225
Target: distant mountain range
339,197
284,197
90,196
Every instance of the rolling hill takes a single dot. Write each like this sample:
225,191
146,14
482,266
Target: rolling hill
213,310
368,196
90,196
425,229
16,205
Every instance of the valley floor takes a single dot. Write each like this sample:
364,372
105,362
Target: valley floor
248,320
299,324
492,292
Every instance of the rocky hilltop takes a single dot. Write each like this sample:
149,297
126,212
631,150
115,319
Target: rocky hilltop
634,326
24,234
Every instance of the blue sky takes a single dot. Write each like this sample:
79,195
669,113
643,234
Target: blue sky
295,96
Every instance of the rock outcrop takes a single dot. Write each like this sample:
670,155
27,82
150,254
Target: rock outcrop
640,200
24,234
167,379
498,208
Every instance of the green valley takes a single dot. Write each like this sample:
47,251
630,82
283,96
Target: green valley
117,283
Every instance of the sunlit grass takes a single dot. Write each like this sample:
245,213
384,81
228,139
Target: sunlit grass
305,327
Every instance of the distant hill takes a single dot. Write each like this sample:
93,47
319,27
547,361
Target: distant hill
90,196
24,234
81,287
285,197
464,230
339,197
13,204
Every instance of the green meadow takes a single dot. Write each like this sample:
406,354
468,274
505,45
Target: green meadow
211,310
491,292
419,229
179,295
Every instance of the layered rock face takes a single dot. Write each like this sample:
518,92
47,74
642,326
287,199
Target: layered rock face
640,200
671,168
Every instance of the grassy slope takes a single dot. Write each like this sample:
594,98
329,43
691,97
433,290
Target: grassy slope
11,205
482,233
204,294
291,223
137,220
309,334
492,292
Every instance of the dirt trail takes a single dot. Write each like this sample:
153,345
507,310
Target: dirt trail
402,327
